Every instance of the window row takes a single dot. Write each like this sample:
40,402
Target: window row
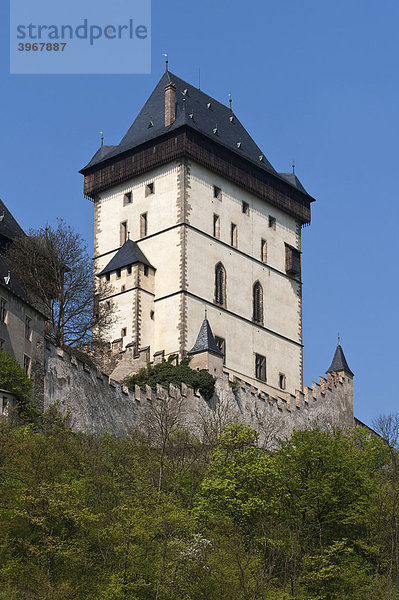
128,196
259,366
4,319
220,294
124,233
128,272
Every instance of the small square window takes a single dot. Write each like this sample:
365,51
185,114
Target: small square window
28,328
124,332
150,189
129,269
281,381
118,273
216,226
263,251
146,270
123,233
27,364
108,276
233,234
245,208
143,225
260,367
123,288
152,315
221,344
217,192
127,198
272,222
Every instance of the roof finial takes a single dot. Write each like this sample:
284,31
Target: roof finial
199,78
102,138
293,166
166,60
230,102
339,340
128,235
206,313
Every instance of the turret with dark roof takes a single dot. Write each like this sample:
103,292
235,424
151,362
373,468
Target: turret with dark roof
128,254
205,340
339,362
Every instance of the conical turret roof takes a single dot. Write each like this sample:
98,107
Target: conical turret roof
205,340
339,362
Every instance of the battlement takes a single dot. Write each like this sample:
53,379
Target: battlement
96,403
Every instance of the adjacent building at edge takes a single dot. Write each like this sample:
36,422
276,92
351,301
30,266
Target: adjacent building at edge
191,218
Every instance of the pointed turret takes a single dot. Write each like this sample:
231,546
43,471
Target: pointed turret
205,354
339,362
205,340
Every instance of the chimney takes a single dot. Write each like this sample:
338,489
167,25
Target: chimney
170,103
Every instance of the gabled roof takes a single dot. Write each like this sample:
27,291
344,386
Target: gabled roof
205,340
339,362
195,109
128,254
9,228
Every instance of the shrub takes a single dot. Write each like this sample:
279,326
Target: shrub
14,379
166,373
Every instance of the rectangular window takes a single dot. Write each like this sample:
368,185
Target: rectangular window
272,222
245,208
118,273
27,364
123,233
233,235
3,310
150,189
281,381
124,332
146,270
221,344
108,276
263,251
216,226
4,403
28,328
292,260
260,367
129,269
127,198
143,225
217,192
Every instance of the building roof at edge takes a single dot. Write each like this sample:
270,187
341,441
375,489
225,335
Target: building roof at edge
339,362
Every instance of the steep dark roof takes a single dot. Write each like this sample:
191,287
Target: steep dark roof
128,254
205,340
9,228
193,108
339,362
293,180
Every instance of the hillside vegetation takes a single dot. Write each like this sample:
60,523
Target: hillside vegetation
85,518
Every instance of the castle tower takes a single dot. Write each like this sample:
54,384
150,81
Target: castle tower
212,225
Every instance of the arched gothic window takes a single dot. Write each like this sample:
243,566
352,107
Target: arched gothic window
220,285
257,303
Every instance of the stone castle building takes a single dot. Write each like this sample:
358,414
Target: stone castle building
199,241
191,216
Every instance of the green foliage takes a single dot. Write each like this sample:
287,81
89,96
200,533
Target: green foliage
14,379
165,373
84,518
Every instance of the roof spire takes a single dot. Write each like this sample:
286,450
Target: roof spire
128,235
230,102
206,313
102,138
339,362
166,61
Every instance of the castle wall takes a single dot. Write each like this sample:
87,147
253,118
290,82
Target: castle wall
96,404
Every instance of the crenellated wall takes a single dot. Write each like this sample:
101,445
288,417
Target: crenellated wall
97,404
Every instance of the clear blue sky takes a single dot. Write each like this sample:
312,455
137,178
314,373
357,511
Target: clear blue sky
312,80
